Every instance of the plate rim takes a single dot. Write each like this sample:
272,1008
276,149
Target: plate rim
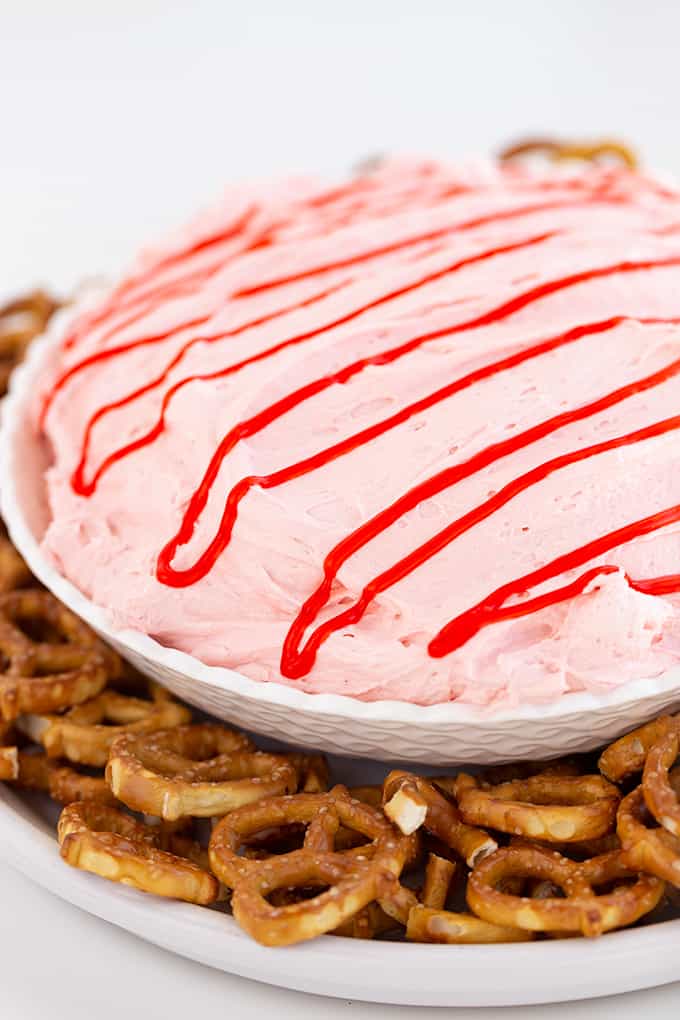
440,715
526,973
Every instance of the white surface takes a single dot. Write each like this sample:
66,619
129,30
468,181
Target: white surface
383,972
58,962
436,734
118,118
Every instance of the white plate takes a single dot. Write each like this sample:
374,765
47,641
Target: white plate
385,730
389,972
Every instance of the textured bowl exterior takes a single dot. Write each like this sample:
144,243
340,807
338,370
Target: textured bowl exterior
383,730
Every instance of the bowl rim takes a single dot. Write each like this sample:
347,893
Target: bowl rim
15,417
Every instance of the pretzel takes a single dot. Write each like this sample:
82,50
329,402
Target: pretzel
61,782
661,787
312,771
557,151
86,732
203,771
355,877
548,807
103,840
439,874
65,665
20,322
628,754
369,923
426,924
411,802
581,910
13,571
9,763
9,755
646,847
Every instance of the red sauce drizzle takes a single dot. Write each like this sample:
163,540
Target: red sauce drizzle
297,659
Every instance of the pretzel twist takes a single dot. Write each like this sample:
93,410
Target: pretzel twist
549,807
202,771
559,150
106,842
355,878
628,754
85,733
581,910
658,786
647,848
63,784
21,321
65,666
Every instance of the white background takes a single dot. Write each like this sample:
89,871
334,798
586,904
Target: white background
118,118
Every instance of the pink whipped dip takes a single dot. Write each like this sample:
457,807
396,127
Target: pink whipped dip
409,250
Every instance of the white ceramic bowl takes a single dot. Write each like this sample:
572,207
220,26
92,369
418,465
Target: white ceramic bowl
386,730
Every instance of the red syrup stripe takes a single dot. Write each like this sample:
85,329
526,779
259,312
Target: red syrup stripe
168,575
83,488
296,663
172,288
111,306
503,214
515,212
491,609
447,477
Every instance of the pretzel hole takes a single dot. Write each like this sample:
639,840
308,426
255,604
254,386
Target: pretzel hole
289,894
271,842
38,629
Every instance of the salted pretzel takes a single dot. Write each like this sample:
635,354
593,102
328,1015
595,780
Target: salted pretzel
646,846
13,571
9,754
62,783
103,840
202,771
20,322
439,873
62,664
549,807
559,150
628,754
84,734
411,802
353,879
659,789
426,924
581,909
312,771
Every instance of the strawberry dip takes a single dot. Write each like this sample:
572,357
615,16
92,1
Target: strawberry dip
413,436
